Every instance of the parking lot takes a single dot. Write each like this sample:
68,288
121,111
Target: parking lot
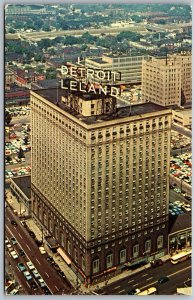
18,145
181,167
178,140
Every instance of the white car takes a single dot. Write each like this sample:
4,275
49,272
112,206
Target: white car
42,250
14,254
27,275
41,282
30,265
36,274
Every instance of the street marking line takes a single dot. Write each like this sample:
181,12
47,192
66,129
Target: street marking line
144,275
117,287
149,278
47,274
28,284
152,283
38,261
20,235
179,271
131,281
136,284
28,247
121,291
57,288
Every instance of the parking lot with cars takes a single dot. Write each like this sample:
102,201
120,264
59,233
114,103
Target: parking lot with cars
178,140
17,143
181,167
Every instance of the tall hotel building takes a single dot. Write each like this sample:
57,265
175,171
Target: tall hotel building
167,81
100,179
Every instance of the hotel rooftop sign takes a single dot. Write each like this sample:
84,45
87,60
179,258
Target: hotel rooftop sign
87,80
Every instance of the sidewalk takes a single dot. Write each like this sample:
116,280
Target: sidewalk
71,276
124,274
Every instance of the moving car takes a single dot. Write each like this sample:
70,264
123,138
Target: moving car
163,279
134,292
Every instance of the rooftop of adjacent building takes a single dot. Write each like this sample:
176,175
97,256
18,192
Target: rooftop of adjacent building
24,184
180,222
122,112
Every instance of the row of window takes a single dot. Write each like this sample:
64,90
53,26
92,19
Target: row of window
109,259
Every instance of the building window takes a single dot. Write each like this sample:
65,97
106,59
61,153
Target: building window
68,247
136,250
122,256
95,266
148,246
109,260
160,241
83,263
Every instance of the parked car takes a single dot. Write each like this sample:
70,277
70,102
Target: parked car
163,279
31,233
13,222
46,290
35,273
14,241
156,263
21,267
41,282
30,265
22,253
14,254
27,275
33,285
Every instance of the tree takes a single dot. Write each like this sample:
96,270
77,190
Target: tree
8,118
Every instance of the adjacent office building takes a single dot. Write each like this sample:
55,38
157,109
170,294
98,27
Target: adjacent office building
100,179
167,81
129,66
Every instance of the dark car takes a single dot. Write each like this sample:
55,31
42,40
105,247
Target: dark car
14,223
134,292
22,253
33,285
14,241
163,279
46,290
31,233
156,263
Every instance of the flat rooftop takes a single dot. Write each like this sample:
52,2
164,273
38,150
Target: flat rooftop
24,184
122,112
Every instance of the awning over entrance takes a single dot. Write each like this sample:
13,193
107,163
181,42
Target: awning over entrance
64,256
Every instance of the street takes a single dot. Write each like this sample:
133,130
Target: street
177,275
55,283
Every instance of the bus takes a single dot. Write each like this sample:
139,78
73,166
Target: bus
175,259
150,291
